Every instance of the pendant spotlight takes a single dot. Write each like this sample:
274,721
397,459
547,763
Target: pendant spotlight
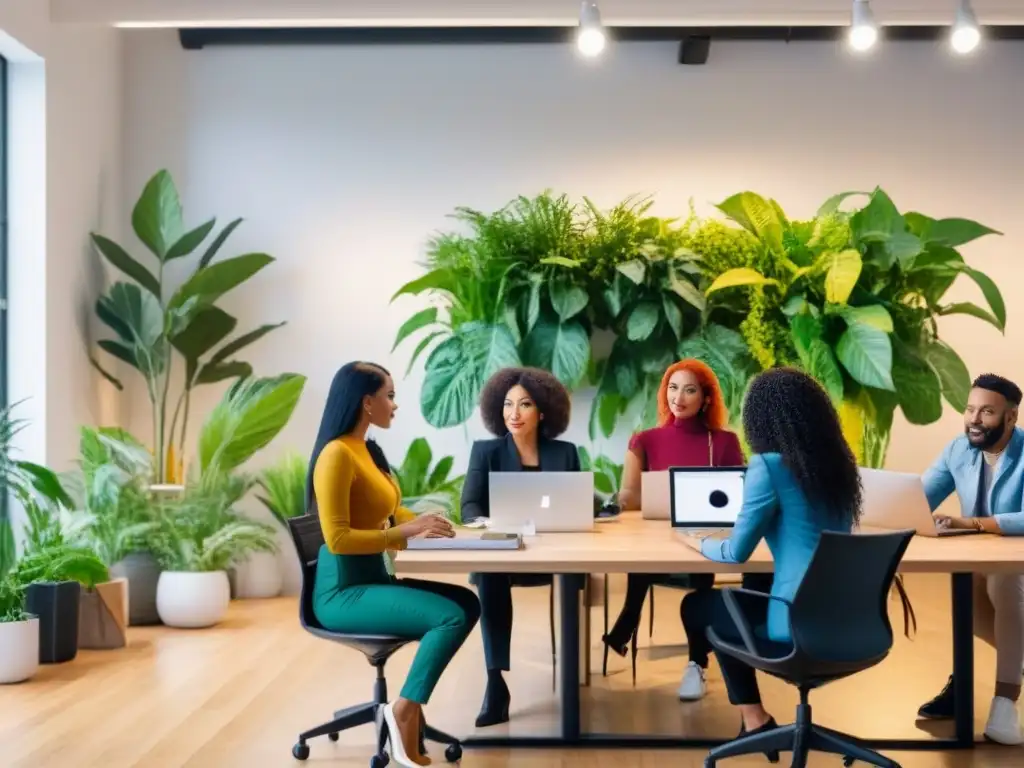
966,33
590,40
863,29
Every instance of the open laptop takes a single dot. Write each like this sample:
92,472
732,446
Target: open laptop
706,499
655,499
544,502
896,501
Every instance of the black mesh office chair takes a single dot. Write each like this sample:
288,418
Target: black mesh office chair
308,537
839,622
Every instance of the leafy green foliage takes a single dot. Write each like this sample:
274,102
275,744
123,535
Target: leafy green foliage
428,487
853,299
201,531
113,514
284,487
850,296
607,474
250,414
533,282
148,325
26,482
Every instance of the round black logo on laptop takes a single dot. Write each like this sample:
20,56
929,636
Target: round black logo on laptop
718,499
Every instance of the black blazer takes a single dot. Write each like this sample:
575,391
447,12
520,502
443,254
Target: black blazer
500,455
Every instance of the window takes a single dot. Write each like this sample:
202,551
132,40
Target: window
3,232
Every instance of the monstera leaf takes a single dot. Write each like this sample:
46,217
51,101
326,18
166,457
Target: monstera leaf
458,367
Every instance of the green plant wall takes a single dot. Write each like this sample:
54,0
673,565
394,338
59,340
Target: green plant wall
852,295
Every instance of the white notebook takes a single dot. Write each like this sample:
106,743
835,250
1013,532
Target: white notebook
467,542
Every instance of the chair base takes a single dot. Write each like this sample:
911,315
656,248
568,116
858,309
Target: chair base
373,712
801,738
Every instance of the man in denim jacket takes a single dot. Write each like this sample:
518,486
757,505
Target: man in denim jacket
985,467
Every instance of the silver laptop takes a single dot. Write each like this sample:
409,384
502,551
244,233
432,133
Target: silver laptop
545,502
655,501
896,501
706,499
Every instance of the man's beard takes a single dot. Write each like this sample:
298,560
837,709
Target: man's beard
989,435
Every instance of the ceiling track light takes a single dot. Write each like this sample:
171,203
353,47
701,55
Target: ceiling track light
863,28
590,40
966,34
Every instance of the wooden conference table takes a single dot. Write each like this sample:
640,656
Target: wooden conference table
630,544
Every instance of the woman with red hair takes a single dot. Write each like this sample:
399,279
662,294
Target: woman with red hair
691,433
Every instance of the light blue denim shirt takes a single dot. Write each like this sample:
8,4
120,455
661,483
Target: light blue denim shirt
775,509
958,469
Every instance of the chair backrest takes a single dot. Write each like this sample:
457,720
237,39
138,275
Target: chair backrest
841,610
308,537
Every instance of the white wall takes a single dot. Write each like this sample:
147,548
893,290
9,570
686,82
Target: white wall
344,161
64,175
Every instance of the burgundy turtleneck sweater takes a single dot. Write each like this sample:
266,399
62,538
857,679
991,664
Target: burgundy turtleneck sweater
685,444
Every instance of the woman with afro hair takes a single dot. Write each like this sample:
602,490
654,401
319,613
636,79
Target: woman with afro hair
525,409
690,433
802,480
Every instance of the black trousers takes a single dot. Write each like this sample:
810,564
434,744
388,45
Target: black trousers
637,586
702,610
495,592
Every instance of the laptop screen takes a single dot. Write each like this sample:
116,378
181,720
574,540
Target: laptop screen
706,497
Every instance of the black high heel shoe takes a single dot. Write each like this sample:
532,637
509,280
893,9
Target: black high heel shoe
621,650
494,710
771,725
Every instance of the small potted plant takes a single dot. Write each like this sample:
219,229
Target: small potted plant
197,539
54,570
113,513
19,634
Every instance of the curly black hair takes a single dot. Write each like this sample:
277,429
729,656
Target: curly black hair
787,412
548,393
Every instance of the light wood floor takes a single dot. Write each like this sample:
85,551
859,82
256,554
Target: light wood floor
238,694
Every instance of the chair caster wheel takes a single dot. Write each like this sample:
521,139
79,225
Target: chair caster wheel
453,753
848,761
333,736
300,751
379,761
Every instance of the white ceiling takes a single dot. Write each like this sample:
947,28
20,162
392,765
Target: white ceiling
512,12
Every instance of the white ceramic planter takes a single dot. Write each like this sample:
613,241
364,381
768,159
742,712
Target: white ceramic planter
259,577
19,650
192,600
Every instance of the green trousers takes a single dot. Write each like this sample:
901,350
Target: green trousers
355,594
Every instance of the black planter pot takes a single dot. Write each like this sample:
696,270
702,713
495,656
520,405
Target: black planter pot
56,605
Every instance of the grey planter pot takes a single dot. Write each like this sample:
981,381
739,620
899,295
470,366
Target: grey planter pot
142,572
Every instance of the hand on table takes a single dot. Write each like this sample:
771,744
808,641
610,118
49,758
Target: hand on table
947,521
427,525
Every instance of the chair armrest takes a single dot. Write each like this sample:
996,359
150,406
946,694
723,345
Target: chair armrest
739,619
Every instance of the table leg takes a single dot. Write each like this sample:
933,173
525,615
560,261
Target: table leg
570,586
586,597
963,658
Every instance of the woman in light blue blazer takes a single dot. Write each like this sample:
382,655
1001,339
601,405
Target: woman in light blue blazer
802,479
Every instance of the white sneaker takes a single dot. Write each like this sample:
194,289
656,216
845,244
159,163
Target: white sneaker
694,684
1003,726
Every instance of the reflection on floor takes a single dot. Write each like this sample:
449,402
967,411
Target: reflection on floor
238,694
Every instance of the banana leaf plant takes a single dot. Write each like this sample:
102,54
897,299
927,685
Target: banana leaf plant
854,298
426,486
153,322
248,417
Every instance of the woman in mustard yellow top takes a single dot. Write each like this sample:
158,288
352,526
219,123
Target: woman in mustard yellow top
351,489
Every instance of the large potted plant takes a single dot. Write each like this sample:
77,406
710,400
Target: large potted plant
249,416
428,487
198,538
150,323
19,634
113,513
